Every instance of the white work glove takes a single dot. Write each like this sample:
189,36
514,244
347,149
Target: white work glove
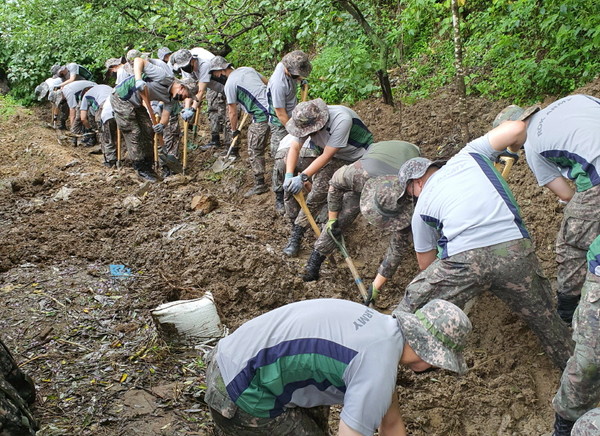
188,113
293,184
158,128
140,85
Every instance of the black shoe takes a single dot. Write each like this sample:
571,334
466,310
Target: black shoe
562,426
166,172
311,273
279,202
110,163
293,246
256,190
566,306
145,171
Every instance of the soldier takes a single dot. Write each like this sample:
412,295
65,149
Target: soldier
344,202
281,93
136,121
164,54
588,424
321,352
70,73
340,137
93,102
247,87
469,236
60,111
563,142
73,94
579,389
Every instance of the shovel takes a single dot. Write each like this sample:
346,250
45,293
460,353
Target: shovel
118,148
185,145
302,202
225,162
196,119
508,163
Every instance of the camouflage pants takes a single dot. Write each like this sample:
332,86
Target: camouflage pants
511,271
233,421
108,137
172,136
579,227
136,128
579,389
343,196
307,156
317,197
278,132
217,115
257,142
63,111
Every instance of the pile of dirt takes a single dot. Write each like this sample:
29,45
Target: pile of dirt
88,340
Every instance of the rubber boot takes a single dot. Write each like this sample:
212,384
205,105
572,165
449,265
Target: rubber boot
145,171
279,203
215,141
293,246
566,307
235,152
311,273
562,426
259,186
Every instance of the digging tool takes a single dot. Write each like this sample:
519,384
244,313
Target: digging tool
185,146
156,162
118,148
225,162
508,163
196,119
304,92
342,246
302,202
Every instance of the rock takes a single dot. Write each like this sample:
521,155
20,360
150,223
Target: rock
204,204
63,194
132,202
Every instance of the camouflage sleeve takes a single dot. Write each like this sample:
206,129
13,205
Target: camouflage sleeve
338,186
399,245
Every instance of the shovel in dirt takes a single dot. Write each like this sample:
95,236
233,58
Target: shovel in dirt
224,162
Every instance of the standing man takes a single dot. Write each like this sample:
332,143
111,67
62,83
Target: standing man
149,82
340,137
579,389
563,142
248,88
93,102
344,199
322,352
469,237
282,91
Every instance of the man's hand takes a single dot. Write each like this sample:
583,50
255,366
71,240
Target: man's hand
158,128
292,184
372,293
235,133
140,85
188,113
333,227
508,153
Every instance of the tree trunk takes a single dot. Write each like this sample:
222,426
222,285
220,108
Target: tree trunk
460,74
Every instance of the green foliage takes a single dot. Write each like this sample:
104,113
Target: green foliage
8,107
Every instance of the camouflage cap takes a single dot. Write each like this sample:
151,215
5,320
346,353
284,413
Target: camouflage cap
41,91
381,205
514,113
308,117
218,63
56,96
112,62
180,59
162,52
437,333
297,63
190,84
132,54
55,69
588,424
415,168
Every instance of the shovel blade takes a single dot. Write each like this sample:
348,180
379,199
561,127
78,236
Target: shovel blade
221,164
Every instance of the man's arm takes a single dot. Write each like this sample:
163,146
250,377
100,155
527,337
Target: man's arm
426,258
84,119
282,115
292,157
392,423
232,113
72,114
509,134
561,188
321,161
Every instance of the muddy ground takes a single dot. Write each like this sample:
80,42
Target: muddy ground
88,340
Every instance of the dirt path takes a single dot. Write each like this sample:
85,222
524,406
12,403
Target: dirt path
88,340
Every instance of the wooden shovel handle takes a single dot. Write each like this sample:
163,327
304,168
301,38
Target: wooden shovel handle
302,202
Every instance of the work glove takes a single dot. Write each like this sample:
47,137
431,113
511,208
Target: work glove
140,85
188,113
292,184
303,82
566,307
508,153
333,227
158,128
372,293
234,133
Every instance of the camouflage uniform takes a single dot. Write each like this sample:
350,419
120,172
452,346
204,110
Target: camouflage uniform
579,389
217,115
257,141
172,132
278,132
136,128
588,424
57,98
511,271
108,137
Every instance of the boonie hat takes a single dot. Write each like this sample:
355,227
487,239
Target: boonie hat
132,54
180,59
42,90
308,117
297,63
588,424
218,63
515,113
162,52
55,69
382,206
437,333
191,85
112,62
415,168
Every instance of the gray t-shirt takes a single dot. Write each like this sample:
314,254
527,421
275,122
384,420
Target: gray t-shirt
95,98
202,75
72,92
244,86
564,139
344,130
158,82
281,92
466,204
312,353
386,157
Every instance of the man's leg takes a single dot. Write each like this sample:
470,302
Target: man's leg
257,141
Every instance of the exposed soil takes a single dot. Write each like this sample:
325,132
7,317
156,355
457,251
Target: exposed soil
88,339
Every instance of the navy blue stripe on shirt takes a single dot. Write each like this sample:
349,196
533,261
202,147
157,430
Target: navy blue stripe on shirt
494,176
293,347
253,99
443,241
589,169
594,263
290,388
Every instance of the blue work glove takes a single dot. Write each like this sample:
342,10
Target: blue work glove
158,128
333,227
508,153
292,184
372,292
188,113
140,85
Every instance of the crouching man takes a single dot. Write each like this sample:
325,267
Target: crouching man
322,352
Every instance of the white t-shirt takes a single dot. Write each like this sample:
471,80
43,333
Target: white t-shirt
72,92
